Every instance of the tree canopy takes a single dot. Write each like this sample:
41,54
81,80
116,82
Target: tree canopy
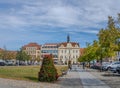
107,44
22,56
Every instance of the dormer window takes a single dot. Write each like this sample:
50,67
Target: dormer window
76,45
68,45
62,45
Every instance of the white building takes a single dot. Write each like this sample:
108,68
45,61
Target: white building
118,55
68,51
50,48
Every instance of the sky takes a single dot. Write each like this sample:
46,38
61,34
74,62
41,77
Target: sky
50,21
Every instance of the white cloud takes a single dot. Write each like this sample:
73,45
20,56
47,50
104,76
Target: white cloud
58,13
21,19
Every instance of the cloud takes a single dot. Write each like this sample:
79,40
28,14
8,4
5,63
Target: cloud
45,17
59,13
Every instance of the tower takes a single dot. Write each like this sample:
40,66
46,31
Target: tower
68,38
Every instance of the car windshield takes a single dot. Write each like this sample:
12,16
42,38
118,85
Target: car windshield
105,63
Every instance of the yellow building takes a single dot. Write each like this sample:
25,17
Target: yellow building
32,49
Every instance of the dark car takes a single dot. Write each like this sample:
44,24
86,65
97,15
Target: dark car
2,63
118,69
96,66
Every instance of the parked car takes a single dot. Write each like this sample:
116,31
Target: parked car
104,64
112,66
2,64
118,69
9,62
96,66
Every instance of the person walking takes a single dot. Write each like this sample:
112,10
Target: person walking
69,65
83,65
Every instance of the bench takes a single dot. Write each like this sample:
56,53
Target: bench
64,72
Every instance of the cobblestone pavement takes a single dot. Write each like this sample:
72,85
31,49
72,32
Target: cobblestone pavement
111,79
71,80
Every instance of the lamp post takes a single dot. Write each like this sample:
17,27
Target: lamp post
101,58
118,43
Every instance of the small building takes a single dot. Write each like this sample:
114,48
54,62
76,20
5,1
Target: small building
33,49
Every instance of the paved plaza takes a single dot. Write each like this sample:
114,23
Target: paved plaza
75,78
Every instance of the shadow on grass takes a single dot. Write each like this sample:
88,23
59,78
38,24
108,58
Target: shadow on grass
34,79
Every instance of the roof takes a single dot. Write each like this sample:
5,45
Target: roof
32,45
72,43
50,44
1,49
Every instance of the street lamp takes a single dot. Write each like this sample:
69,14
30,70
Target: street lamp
101,58
118,43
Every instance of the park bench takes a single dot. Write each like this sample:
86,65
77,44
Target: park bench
64,72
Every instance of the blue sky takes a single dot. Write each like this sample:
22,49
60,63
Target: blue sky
49,21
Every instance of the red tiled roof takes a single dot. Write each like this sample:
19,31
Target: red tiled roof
72,43
1,49
32,45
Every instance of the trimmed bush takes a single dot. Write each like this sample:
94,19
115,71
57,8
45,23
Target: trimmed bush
48,72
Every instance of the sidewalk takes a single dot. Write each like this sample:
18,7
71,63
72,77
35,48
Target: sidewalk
90,81
71,80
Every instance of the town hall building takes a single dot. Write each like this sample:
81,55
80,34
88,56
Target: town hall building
68,51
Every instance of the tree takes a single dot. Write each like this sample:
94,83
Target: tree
48,72
4,53
22,56
108,37
89,53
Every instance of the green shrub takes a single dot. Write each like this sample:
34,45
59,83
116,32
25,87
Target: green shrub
48,72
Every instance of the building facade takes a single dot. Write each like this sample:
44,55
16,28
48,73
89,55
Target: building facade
50,48
33,49
118,55
61,52
68,51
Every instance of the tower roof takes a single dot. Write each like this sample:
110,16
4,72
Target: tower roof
68,38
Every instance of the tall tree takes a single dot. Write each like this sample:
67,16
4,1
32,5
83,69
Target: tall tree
108,37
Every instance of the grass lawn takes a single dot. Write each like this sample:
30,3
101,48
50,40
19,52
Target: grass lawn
29,73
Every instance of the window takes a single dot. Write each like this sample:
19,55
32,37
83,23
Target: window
65,51
76,51
69,51
61,57
76,56
73,51
73,56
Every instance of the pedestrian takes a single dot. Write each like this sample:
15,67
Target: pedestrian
78,64
69,65
83,65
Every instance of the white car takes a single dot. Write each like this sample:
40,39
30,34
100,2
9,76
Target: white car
112,65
